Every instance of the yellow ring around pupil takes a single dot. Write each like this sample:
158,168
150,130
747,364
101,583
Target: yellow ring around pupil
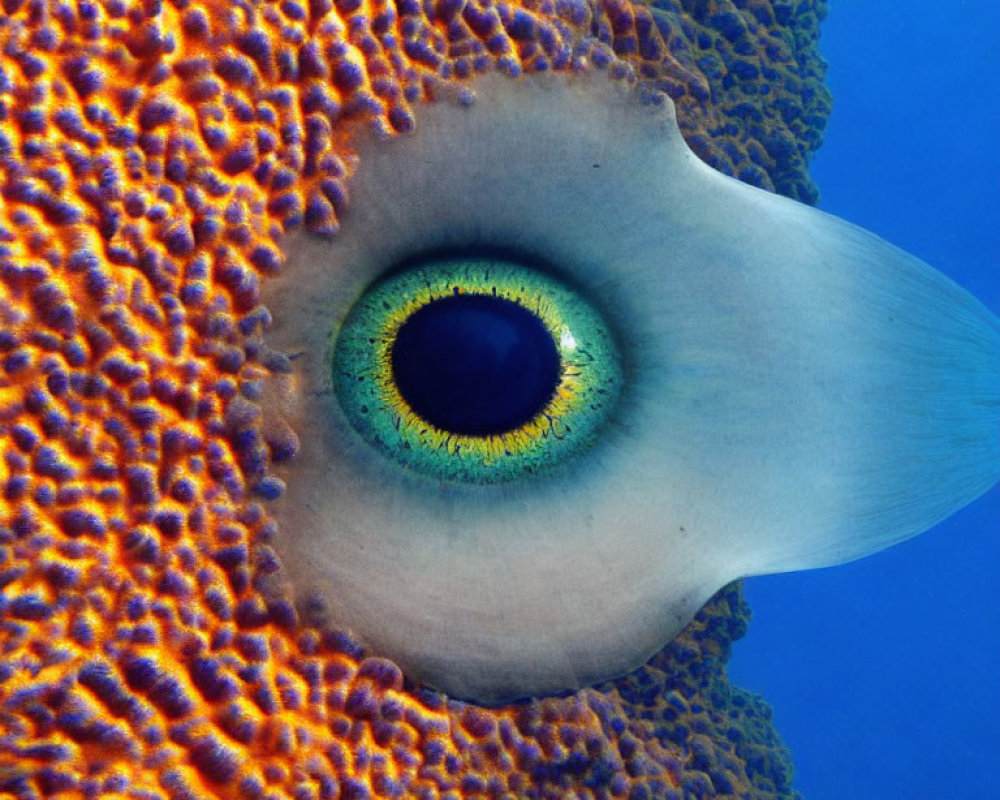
518,438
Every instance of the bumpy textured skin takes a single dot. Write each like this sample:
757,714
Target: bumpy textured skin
747,80
151,155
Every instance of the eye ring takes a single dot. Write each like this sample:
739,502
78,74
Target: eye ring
480,429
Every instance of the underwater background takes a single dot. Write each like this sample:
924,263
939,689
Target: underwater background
883,673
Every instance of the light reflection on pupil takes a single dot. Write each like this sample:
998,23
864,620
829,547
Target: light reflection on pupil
475,365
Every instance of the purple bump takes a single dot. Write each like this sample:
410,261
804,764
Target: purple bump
210,681
206,230
188,68
294,11
49,462
98,677
257,45
239,159
253,647
270,488
168,695
285,205
16,488
32,120
136,608
282,613
219,604
61,576
143,416
32,66
140,673
401,119
79,522
17,361
122,371
320,216
203,89
334,191
251,613
240,727
356,789
195,23
173,583
382,672
156,112
141,482
81,632
169,523
237,70
311,63
230,557
142,547
347,75
266,259
29,607
179,239
265,699
230,360
343,643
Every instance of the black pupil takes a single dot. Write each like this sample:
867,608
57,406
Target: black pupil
475,364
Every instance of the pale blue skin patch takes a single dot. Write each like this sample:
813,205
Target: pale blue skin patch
785,395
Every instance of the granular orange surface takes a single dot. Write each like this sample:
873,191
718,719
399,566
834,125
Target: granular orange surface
152,156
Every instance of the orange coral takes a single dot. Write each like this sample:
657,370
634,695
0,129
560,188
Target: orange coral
153,153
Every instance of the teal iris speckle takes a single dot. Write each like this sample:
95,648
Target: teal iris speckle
569,415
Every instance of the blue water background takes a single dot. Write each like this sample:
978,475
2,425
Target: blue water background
884,674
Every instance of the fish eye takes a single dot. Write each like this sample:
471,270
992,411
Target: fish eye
762,391
475,370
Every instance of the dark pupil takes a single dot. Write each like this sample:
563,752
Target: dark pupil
475,364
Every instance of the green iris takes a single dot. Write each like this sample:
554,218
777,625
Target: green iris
475,370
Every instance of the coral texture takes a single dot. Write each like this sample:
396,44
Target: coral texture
152,154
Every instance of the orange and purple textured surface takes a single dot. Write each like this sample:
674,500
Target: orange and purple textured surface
152,156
